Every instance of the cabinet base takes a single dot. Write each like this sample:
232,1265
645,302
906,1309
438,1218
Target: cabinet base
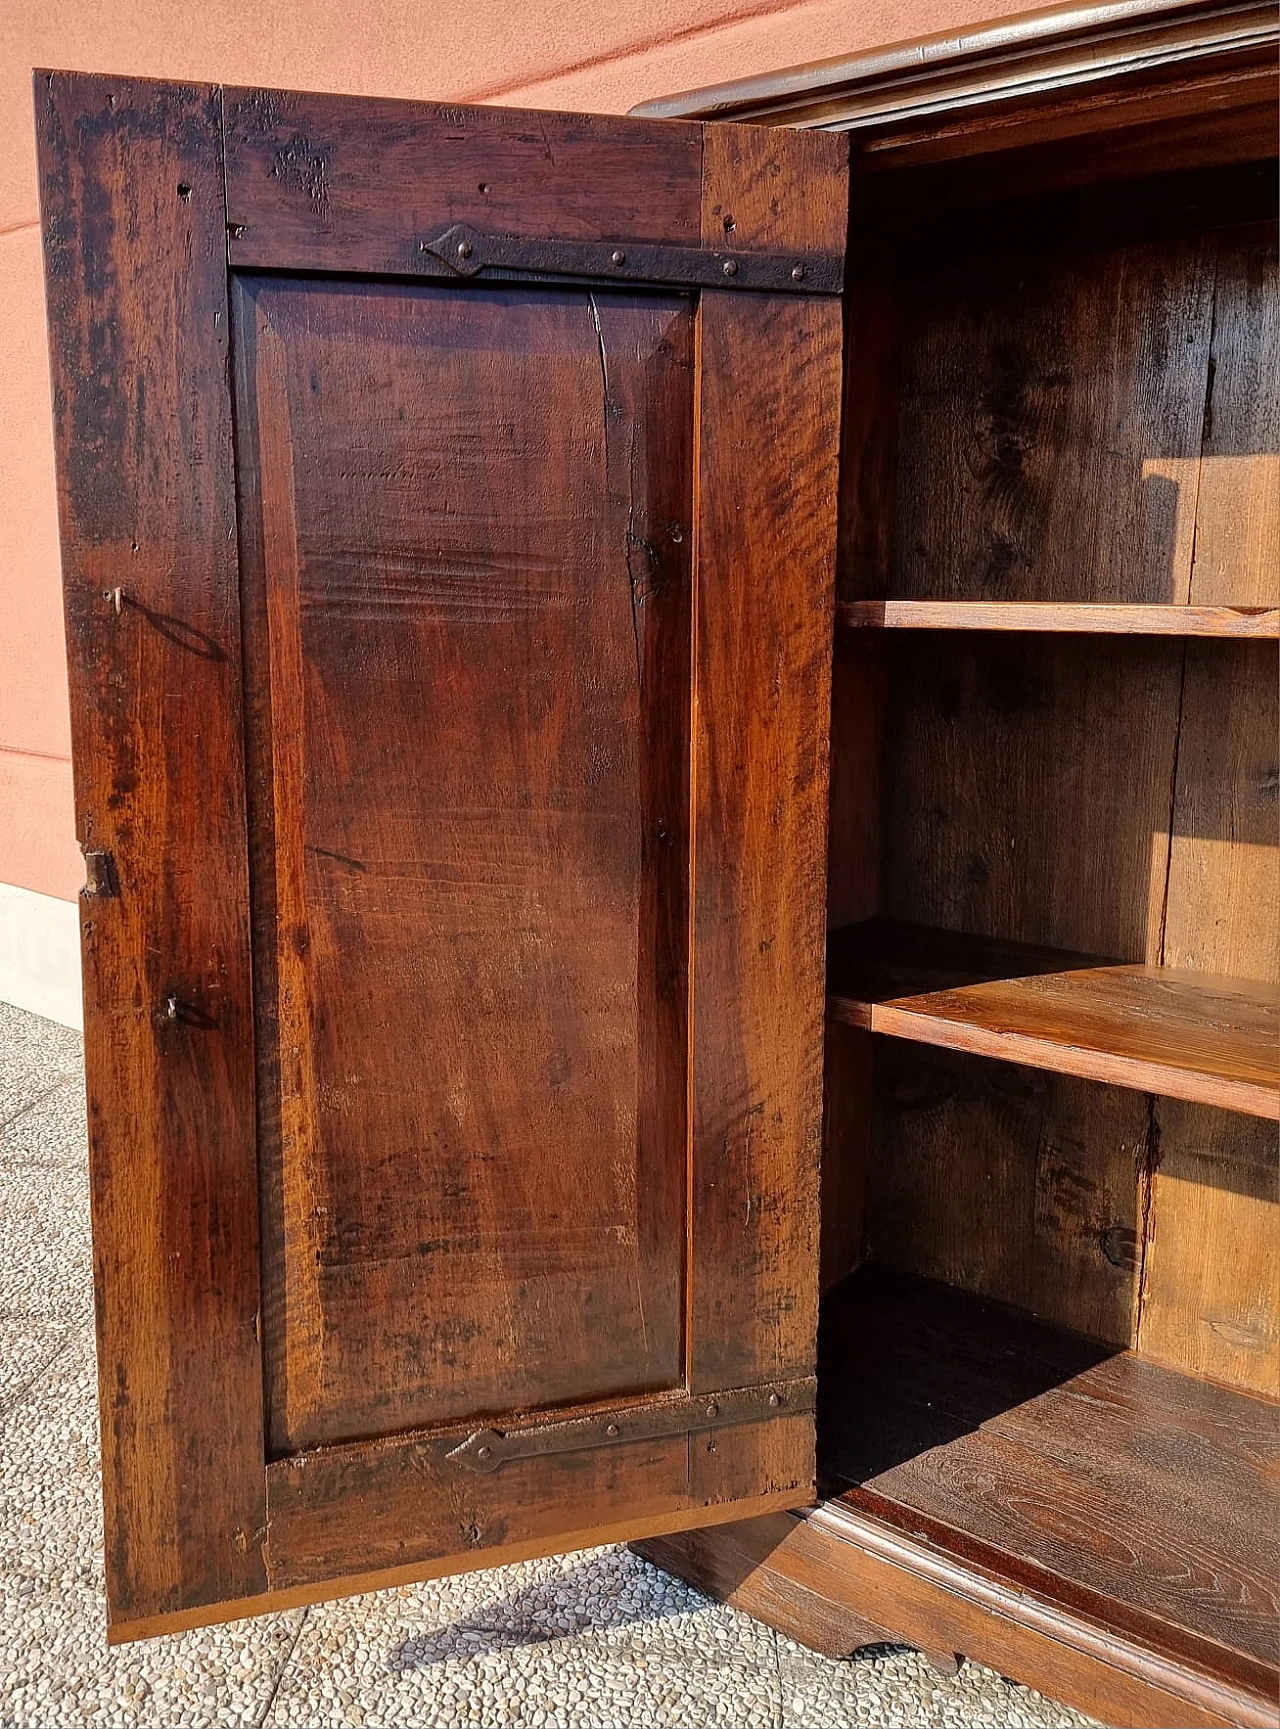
837,1579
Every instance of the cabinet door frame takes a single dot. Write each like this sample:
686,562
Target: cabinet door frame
153,195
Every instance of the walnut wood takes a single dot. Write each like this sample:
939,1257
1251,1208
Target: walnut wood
763,691
838,1577
1103,1481
1062,311
536,646
1006,492
755,201
139,344
317,181
497,553
1238,486
313,183
389,1578
1088,618
1017,1481
1191,1035
1029,780
1215,1249
418,1509
529,880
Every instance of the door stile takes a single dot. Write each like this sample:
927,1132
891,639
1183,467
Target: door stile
135,257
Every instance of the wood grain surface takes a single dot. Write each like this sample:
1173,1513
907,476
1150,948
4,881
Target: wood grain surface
418,1509
762,711
131,189
1192,1035
338,183
1118,1485
476,530
1108,796
839,1577
1097,618
523,1076
1213,1267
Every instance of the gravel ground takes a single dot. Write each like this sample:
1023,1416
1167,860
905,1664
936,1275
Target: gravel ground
594,1639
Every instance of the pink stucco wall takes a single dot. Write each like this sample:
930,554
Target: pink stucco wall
540,53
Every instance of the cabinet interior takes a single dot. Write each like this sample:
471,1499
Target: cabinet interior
1051,1335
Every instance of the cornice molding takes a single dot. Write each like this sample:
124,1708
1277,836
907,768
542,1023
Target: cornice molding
1058,53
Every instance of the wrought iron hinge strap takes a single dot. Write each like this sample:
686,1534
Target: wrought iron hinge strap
463,251
680,1414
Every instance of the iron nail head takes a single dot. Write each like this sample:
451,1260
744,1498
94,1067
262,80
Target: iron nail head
611,1429
797,274
464,249
731,267
619,258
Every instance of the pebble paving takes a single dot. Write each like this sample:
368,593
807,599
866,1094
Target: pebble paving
595,1639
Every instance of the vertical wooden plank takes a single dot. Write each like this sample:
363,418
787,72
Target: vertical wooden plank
767,480
132,196
848,1095
477,707
1212,1263
1224,862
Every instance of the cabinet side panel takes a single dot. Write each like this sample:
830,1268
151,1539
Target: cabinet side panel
766,547
135,259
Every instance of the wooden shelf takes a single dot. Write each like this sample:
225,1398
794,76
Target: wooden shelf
1082,618
1130,1495
1189,1035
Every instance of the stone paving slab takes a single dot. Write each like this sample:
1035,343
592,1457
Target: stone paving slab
34,1056
587,1641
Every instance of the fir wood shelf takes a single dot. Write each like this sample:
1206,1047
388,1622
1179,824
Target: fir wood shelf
1189,1035
1088,1477
1081,618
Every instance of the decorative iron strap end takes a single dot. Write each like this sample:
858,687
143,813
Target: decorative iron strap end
463,251
684,1414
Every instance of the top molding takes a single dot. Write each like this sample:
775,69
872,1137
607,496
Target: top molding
1053,54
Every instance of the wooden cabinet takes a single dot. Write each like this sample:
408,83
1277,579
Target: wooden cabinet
506,636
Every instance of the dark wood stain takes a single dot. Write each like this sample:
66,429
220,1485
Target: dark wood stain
452,772
439,1080
327,182
1111,1475
139,343
476,527
760,808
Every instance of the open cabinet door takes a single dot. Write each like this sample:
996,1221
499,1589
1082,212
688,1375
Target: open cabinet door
448,520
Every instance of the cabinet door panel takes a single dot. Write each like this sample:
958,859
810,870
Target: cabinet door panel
449,624
476,577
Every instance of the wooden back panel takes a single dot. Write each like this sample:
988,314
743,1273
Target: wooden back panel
1080,416
449,621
